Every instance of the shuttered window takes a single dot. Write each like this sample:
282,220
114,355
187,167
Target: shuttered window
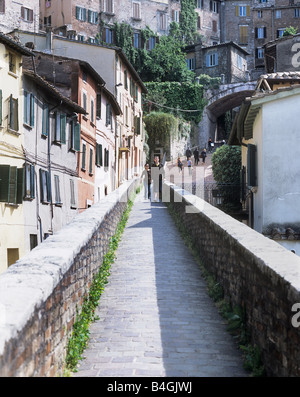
98,106
45,120
60,127
28,108
91,162
57,190
83,158
11,184
29,181
99,155
108,114
13,114
243,34
45,185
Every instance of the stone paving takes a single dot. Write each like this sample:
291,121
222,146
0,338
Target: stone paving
156,319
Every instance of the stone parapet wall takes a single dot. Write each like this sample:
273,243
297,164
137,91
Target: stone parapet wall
40,294
255,272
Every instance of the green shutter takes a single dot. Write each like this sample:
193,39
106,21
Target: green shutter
91,161
32,182
4,182
12,194
77,137
45,121
63,124
83,156
100,155
31,110
48,182
20,185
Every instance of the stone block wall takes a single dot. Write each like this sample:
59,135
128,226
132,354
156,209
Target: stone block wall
255,272
41,293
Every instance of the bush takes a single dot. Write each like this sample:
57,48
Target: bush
226,164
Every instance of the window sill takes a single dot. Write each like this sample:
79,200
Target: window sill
28,126
14,132
12,74
13,205
58,204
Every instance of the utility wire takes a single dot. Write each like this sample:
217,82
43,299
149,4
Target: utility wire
176,109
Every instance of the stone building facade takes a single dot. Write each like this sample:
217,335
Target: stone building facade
21,15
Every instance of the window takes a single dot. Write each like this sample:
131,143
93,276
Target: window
137,125
83,160
108,6
280,32
261,33
74,136
2,6
251,165
80,37
199,3
45,184
92,110
259,14
151,42
98,106
84,77
136,40
259,53
239,62
278,14
91,162
214,26
72,194
176,15
162,21
106,159
13,114
108,36
12,63
84,100
11,184
125,80
190,63
27,14
57,190
98,154
214,6
242,11
198,22
81,14
29,181
47,21
12,256
108,114
60,128
136,93
136,10
212,59
45,120
243,34
297,12
93,17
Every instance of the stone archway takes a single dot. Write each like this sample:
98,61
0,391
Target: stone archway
220,101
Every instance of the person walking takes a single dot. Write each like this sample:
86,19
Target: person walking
179,164
157,173
203,156
188,153
196,156
146,176
189,164
210,145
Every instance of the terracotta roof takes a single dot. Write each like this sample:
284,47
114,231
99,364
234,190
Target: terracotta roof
15,45
50,88
281,76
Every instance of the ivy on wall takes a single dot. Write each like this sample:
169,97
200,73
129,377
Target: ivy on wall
178,97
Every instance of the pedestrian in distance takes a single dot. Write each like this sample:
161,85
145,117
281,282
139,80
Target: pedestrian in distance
179,164
203,156
146,176
157,175
188,153
189,164
210,145
196,156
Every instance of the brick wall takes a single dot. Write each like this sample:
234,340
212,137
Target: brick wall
39,294
255,273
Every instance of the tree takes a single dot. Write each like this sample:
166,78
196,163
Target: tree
231,156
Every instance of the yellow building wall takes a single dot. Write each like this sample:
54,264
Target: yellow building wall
11,153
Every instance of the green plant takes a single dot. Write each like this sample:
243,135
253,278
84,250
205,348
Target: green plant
80,333
290,31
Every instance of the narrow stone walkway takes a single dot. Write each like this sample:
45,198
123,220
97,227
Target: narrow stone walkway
156,319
